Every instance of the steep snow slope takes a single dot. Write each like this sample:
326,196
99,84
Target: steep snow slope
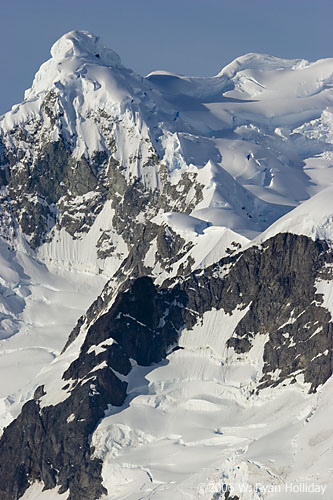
40,306
107,177
313,218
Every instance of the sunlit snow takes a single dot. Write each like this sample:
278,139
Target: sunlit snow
258,137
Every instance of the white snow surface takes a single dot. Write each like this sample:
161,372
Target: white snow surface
39,307
35,492
194,423
258,138
313,218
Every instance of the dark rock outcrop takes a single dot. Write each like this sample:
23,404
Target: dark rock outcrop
51,444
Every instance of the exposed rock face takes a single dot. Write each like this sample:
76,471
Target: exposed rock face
42,187
276,282
133,322
51,444
47,188
280,288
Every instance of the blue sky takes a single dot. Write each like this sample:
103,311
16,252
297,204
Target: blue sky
194,37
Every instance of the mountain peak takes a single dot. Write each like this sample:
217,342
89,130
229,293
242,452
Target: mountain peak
69,55
139,196
266,62
84,45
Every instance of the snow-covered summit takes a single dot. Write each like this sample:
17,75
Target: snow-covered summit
273,78
264,62
255,140
84,45
70,54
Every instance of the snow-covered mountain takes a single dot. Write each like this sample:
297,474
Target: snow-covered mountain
166,281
